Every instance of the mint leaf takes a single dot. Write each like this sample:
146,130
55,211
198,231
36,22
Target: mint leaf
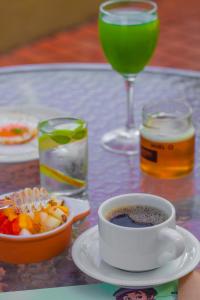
80,134
60,139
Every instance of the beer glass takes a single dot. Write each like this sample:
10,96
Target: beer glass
167,139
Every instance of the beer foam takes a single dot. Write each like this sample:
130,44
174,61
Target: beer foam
157,136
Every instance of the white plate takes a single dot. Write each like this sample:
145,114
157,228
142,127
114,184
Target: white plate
85,253
29,115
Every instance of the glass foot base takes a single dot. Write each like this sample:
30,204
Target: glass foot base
122,141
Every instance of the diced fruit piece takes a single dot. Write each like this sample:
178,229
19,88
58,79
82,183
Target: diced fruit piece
53,202
25,232
36,218
56,212
65,209
26,222
43,217
50,223
15,226
6,227
2,218
10,213
31,214
36,228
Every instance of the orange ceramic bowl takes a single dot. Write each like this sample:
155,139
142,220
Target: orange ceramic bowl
42,246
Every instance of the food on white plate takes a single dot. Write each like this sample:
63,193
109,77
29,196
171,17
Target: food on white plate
16,133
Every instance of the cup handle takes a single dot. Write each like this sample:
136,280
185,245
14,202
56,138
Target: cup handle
177,241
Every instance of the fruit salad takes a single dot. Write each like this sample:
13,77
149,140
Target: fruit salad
45,218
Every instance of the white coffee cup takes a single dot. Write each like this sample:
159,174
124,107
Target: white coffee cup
139,249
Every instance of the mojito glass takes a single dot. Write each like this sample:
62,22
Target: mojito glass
63,155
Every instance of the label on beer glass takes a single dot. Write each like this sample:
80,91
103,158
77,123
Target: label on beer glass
167,156
149,154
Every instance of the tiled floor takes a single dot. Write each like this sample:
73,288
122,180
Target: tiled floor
179,43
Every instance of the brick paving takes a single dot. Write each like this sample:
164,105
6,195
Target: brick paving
178,46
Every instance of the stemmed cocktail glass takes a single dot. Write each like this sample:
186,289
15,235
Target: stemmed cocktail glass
128,33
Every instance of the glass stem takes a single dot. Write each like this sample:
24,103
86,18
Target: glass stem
130,123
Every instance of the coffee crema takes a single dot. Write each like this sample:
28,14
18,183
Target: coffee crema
137,216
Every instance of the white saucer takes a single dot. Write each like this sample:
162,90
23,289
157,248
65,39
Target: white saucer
85,253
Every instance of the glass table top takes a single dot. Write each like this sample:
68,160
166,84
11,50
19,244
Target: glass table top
96,94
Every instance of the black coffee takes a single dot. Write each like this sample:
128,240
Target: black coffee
137,216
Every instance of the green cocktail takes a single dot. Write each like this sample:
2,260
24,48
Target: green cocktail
129,44
128,32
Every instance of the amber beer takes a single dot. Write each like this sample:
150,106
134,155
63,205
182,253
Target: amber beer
167,159
167,139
